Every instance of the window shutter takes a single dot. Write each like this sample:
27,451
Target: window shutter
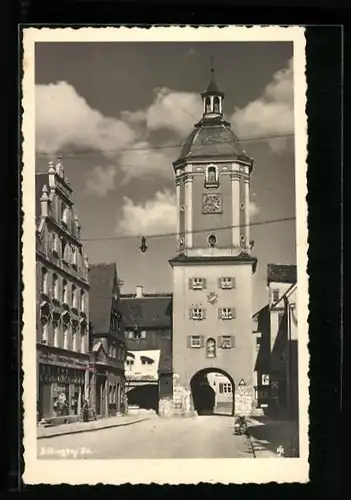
202,341
190,313
189,340
204,283
232,341
190,283
219,282
233,312
204,313
220,341
220,313
234,282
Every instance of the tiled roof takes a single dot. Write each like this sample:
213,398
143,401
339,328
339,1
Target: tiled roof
211,139
281,273
101,279
147,312
40,180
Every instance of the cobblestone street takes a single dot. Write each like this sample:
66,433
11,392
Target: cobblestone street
198,437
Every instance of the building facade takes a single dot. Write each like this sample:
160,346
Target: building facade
212,270
276,328
108,349
62,300
223,391
147,320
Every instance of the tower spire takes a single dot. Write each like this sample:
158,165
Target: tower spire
212,97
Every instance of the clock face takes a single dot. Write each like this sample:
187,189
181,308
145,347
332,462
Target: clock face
212,203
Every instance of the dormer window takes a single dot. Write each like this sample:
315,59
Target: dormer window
211,177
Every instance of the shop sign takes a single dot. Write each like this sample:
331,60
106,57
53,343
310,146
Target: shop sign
57,358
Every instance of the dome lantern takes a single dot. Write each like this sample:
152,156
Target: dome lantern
212,98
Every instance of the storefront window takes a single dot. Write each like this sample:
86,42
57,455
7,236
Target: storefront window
75,400
61,400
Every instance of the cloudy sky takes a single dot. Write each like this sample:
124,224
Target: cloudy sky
118,113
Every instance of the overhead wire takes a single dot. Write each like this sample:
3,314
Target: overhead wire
152,148
167,235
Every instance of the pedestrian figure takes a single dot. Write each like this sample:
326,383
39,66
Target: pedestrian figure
85,411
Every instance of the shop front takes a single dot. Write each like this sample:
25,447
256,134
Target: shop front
109,385
63,385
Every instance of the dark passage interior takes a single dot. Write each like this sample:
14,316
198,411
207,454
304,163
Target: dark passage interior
204,397
145,396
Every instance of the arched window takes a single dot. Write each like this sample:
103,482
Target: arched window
64,292
210,348
211,178
208,105
44,281
82,301
216,104
55,286
64,214
74,297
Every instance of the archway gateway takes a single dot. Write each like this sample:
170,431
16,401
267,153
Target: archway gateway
143,396
213,392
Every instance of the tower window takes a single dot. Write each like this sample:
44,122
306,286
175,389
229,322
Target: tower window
216,105
211,176
208,105
227,313
195,341
227,342
197,313
227,283
197,283
275,295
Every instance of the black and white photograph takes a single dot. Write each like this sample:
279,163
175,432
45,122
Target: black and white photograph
165,255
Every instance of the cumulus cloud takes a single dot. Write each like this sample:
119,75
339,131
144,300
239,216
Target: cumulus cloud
173,110
100,180
155,216
272,113
64,119
144,160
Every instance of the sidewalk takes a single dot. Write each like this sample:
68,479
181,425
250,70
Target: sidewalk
273,438
77,427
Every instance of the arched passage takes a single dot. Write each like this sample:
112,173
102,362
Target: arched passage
144,396
213,392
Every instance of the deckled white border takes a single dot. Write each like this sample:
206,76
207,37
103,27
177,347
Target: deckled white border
173,471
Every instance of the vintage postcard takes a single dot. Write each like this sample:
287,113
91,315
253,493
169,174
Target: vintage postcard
165,255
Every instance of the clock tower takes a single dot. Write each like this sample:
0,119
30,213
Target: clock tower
213,265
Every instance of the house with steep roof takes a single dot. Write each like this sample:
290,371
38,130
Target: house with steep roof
62,300
147,320
108,349
275,328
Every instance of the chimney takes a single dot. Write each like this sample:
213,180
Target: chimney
139,291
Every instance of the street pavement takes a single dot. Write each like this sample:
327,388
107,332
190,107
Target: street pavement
197,437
